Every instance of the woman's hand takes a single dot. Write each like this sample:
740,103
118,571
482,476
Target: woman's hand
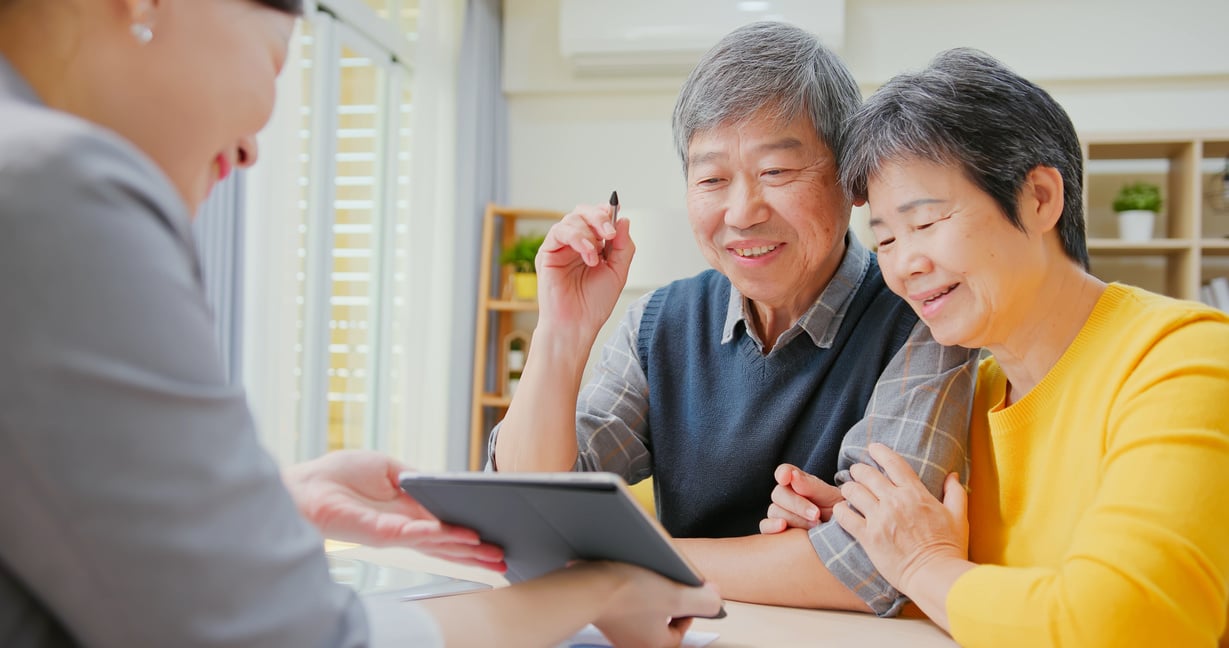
645,609
582,267
911,537
800,500
353,495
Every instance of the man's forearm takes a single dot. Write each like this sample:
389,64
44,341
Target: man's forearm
539,431
778,569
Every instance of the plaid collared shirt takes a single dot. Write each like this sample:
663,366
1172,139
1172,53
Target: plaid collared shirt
919,408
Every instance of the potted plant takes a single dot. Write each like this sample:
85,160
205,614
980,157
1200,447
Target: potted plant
520,256
516,343
1137,205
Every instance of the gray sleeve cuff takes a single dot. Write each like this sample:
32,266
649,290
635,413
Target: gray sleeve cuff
396,623
490,449
846,560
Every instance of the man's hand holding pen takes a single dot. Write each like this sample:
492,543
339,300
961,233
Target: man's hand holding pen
582,268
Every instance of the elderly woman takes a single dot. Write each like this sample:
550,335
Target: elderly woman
1099,446
140,509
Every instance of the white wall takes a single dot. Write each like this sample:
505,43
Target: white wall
1116,65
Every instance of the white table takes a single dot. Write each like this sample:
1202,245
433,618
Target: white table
745,626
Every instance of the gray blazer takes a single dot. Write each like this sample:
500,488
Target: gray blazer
138,507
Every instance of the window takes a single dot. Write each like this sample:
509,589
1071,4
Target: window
334,341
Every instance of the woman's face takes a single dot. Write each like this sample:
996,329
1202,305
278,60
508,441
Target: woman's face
947,249
203,87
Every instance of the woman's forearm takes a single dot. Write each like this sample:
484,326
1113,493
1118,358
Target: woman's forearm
929,587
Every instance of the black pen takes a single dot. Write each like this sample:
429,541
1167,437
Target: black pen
614,215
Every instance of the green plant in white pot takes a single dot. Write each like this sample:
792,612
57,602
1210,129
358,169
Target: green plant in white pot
1137,204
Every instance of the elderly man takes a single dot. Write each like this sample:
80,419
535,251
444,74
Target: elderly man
789,354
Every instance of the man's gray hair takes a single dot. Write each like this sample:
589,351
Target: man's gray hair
768,67
968,110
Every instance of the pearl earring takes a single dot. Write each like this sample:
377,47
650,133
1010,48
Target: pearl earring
142,32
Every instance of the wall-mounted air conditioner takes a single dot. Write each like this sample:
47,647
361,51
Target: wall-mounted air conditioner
668,36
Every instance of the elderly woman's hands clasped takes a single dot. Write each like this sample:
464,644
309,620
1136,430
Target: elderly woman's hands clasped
901,526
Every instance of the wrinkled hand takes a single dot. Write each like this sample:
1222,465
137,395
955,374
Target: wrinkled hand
646,609
800,500
902,527
582,267
353,495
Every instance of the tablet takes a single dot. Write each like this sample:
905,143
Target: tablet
545,520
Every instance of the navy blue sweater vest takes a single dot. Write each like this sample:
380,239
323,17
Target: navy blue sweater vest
722,417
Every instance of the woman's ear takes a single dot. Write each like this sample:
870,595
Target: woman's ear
142,18
140,9
1041,201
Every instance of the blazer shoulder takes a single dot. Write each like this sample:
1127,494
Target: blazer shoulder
49,159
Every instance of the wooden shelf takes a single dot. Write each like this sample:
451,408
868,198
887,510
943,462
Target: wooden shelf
1127,248
1140,149
495,400
498,321
1184,255
512,306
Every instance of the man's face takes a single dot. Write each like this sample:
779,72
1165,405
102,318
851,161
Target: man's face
766,209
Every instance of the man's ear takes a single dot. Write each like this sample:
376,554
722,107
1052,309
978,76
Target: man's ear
1041,200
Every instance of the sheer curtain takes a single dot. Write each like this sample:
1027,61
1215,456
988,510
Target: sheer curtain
482,135
350,236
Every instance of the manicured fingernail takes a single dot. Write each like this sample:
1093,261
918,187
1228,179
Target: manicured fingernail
813,513
608,229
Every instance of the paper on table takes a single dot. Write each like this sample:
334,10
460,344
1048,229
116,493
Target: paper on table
591,637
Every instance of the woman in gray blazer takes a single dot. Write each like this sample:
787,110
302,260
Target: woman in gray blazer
140,508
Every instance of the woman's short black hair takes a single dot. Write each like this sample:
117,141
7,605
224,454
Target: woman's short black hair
969,110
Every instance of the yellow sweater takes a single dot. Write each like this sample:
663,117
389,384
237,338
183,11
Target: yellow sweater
1099,502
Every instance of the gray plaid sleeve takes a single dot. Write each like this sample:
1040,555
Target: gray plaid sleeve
919,408
612,409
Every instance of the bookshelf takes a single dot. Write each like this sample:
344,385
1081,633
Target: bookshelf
1191,238
499,319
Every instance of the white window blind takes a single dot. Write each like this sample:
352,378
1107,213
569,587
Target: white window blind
353,210
348,295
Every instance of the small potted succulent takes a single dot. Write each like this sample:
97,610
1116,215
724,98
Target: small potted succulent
523,280
517,343
1137,205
